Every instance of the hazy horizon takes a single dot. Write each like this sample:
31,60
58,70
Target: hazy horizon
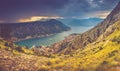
32,10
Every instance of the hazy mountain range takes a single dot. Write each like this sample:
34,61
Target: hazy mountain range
81,22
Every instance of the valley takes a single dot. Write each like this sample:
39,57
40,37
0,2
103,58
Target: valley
52,39
96,48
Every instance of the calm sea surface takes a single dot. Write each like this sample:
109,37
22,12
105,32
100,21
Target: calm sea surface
49,40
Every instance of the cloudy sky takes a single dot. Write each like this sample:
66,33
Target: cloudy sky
27,10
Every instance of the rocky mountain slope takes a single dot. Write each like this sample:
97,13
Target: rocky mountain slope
17,31
100,53
89,36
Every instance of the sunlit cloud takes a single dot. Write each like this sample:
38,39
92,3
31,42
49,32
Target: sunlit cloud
100,14
92,4
1,21
101,1
23,11
38,18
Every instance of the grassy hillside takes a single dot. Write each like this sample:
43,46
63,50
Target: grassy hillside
95,50
101,55
9,46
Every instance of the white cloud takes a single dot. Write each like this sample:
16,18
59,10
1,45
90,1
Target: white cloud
92,4
1,21
99,14
37,18
101,1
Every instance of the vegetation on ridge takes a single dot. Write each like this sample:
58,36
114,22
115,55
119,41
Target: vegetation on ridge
101,55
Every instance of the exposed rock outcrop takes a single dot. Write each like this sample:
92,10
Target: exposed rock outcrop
91,35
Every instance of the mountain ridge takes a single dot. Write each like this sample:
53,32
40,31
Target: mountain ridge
19,31
101,52
100,55
89,36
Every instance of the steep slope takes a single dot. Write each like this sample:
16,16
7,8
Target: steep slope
89,36
17,31
101,55
9,46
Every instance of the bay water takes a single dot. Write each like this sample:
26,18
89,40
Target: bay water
49,40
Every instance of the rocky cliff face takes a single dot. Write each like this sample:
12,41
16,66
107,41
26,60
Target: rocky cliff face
31,29
91,35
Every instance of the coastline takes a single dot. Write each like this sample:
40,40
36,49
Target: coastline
33,37
30,37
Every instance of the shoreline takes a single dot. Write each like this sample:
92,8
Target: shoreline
32,37
29,37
